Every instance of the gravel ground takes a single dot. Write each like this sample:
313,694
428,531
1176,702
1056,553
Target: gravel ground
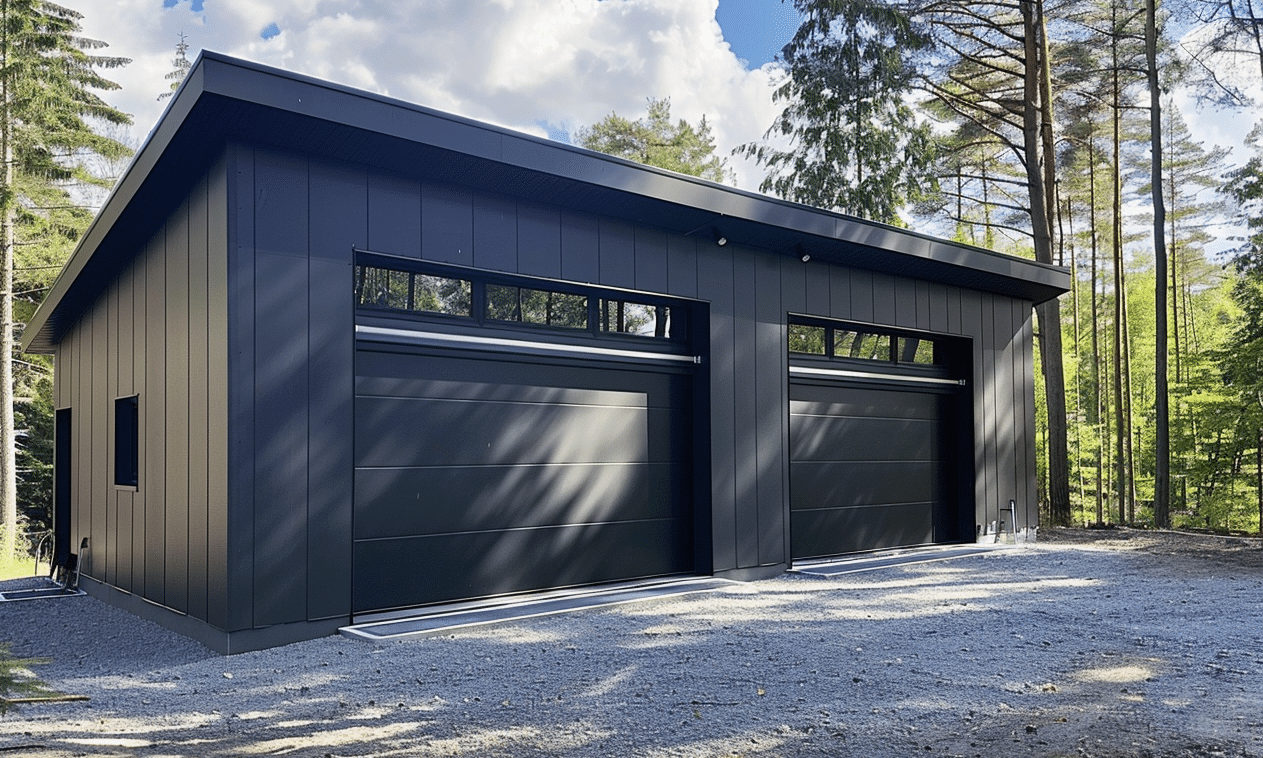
1086,643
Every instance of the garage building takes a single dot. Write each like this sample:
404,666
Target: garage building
325,354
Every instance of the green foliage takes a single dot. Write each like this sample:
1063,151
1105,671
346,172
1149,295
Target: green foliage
180,66
855,143
656,141
52,119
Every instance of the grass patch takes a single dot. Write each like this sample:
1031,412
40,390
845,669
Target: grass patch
16,680
17,567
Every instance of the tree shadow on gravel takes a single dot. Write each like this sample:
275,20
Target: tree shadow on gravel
1012,653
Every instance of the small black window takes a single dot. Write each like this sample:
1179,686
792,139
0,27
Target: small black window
806,339
640,319
407,291
541,307
127,441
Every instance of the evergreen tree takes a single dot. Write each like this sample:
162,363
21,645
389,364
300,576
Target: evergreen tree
180,66
855,144
49,77
655,141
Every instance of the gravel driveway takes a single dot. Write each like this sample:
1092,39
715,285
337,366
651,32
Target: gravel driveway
1084,644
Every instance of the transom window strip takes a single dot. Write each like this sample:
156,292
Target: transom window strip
394,289
850,343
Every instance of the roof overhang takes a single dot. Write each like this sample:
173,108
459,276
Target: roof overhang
224,100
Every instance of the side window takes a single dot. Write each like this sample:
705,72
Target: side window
127,441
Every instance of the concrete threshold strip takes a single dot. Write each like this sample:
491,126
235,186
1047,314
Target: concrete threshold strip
48,589
441,619
872,561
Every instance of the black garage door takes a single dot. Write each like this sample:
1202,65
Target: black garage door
483,475
875,436
871,467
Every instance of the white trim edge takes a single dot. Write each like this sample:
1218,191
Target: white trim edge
845,374
441,339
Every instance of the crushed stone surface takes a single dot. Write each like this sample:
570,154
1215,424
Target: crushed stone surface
1086,643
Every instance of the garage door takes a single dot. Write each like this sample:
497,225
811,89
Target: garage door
482,469
872,456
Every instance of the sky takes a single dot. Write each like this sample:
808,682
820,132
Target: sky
546,67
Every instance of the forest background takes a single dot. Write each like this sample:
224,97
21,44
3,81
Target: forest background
1042,129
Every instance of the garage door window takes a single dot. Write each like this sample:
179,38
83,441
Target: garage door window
416,288
850,343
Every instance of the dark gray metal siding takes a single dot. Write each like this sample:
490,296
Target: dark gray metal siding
156,332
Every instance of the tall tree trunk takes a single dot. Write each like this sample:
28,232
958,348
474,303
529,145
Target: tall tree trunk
1129,411
1162,429
1098,377
1120,458
8,451
1036,135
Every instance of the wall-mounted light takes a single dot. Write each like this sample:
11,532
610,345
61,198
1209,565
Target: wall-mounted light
801,252
806,257
720,239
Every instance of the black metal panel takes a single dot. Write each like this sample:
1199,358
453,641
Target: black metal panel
538,240
198,388
447,236
862,296
682,265
394,215
102,434
580,243
176,462
618,253
771,439
715,283
217,395
241,400
495,233
871,467
479,478
153,406
63,480
651,260
745,415
839,281
339,222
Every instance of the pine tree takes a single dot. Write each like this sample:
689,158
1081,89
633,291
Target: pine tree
180,66
655,141
49,77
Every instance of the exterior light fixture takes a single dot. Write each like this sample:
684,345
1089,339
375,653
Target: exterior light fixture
720,239
806,257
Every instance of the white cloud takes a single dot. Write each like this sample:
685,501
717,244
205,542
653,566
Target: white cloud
517,63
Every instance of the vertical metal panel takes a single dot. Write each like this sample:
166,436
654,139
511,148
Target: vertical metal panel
905,302
839,292
80,451
198,409
862,295
1005,409
102,474
125,551
937,318
617,250
793,285
394,215
991,427
715,283
176,458
885,309
1028,378
745,418
771,410
580,246
682,265
241,347
818,292
447,235
955,322
217,359
153,409
538,240
281,429
110,304
140,308
971,323
337,221
495,233
651,260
